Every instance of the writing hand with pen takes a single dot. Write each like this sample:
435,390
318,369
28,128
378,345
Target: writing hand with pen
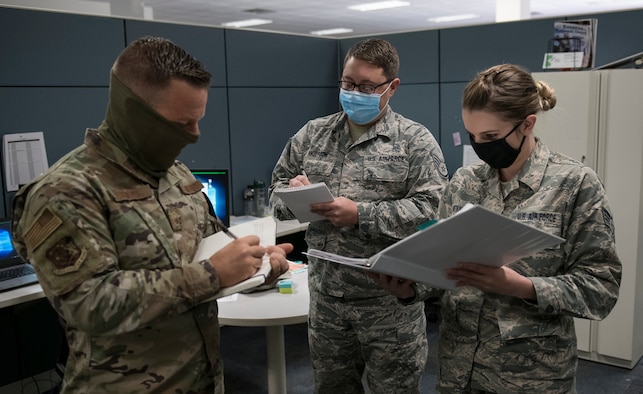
299,180
242,258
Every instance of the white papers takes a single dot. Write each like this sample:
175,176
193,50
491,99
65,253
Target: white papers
264,228
298,200
25,158
563,60
473,235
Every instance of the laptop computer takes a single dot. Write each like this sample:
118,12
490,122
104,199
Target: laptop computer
14,272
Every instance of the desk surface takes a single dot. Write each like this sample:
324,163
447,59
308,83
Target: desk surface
34,292
267,308
284,227
20,295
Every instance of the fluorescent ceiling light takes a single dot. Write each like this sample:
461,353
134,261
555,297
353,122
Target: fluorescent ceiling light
380,5
328,32
453,18
247,23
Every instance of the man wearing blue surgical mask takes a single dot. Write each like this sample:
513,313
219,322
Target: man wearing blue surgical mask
387,174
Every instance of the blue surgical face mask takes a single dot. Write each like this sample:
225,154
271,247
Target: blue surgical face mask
360,107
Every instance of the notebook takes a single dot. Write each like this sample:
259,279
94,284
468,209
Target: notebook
14,272
299,198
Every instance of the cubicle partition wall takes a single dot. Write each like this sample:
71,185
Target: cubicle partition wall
265,85
54,79
276,83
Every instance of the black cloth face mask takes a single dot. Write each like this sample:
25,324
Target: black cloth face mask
498,154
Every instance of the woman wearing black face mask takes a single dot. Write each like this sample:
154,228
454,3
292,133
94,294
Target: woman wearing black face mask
511,329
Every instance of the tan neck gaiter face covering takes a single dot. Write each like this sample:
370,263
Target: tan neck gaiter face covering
149,140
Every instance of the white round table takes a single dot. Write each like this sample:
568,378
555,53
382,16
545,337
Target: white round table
272,310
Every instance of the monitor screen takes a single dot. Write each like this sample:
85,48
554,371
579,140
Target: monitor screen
216,185
6,246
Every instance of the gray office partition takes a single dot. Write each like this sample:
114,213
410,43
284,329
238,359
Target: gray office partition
421,103
465,51
56,49
205,43
418,52
54,76
276,83
619,35
61,113
213,148
452,132
261,122
279,60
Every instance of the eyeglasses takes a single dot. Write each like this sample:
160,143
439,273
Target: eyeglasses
362,87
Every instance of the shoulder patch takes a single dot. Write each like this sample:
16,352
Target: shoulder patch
607,218
41,228
65,255
192,188
440,165
136,193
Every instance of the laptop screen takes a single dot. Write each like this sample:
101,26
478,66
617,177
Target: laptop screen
216,185
8,255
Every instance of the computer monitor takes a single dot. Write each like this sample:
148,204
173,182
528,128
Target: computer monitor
6,247
216,185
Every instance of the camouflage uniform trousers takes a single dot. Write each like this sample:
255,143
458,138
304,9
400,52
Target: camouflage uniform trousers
376,335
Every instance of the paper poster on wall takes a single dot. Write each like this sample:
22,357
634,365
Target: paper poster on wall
24,158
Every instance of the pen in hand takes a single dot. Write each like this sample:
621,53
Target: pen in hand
225,228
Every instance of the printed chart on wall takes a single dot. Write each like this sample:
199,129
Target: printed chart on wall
24,158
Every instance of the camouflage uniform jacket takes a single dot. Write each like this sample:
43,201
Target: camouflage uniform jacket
113,251
395,173
509,345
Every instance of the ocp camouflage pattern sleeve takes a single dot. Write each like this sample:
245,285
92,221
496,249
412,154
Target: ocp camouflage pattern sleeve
109,248
113,251
504,344
395,173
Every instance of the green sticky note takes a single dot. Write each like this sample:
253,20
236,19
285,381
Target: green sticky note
427,224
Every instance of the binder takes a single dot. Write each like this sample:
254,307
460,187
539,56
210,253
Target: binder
475,234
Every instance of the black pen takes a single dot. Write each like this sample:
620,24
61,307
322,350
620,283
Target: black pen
225,229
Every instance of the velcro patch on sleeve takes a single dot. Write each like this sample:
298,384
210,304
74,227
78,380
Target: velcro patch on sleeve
192,188
41,228
65,255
